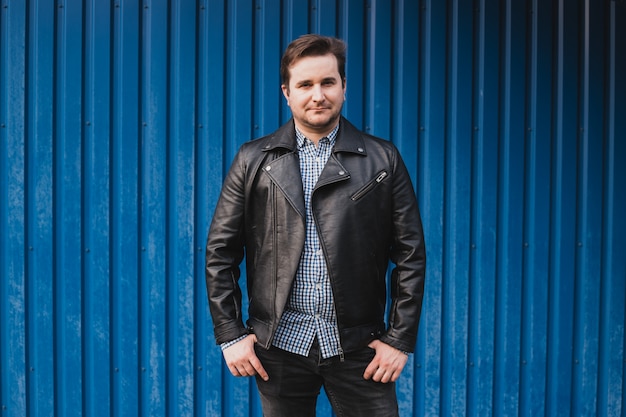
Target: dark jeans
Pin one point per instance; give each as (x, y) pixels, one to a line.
(295, 383)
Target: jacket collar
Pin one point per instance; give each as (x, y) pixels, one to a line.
(349, 138)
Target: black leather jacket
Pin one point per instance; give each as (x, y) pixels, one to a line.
(366, 214)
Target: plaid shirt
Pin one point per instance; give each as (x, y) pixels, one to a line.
(310, 310)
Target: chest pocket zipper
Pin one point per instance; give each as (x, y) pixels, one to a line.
(369, 186)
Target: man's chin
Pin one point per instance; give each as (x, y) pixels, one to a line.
(322, 122)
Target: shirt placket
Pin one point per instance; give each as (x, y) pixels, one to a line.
(318, 256)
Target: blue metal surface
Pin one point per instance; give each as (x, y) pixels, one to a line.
(119, 119)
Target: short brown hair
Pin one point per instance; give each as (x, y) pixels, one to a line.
(313, 45)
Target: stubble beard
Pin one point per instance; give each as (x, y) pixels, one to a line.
(321, 125)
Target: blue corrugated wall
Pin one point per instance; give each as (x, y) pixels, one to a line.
(118, 119)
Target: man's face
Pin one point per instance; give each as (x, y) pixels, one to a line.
(315, 94)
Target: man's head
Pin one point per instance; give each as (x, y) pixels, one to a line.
(314, 83)
(312, 45)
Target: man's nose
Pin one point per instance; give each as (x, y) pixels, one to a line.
(318, 94)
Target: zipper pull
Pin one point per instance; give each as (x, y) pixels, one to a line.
(381, 176)
(341, 357)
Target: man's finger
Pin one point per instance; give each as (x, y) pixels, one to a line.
(258, 367)
(371, 369)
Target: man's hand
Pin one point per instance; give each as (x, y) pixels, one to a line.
(387, 363)
(241, 359)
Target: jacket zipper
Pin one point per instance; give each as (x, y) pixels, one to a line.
(274, 240)
(369, 186)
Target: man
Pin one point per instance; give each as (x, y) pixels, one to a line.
(319, 208)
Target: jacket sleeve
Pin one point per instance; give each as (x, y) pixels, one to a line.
(408, 253)
(224, 254)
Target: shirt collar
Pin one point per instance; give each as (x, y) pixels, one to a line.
(301, 139)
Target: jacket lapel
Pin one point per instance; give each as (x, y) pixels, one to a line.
(284, 171)
(333, 171)
(349, 141)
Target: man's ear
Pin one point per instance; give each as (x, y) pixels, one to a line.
(285, 89)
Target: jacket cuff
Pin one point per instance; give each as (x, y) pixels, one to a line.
(229, 332)
(398, 344)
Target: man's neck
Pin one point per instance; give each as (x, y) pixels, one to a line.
(315, 136)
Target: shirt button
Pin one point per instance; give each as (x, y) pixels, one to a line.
(320, 252)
